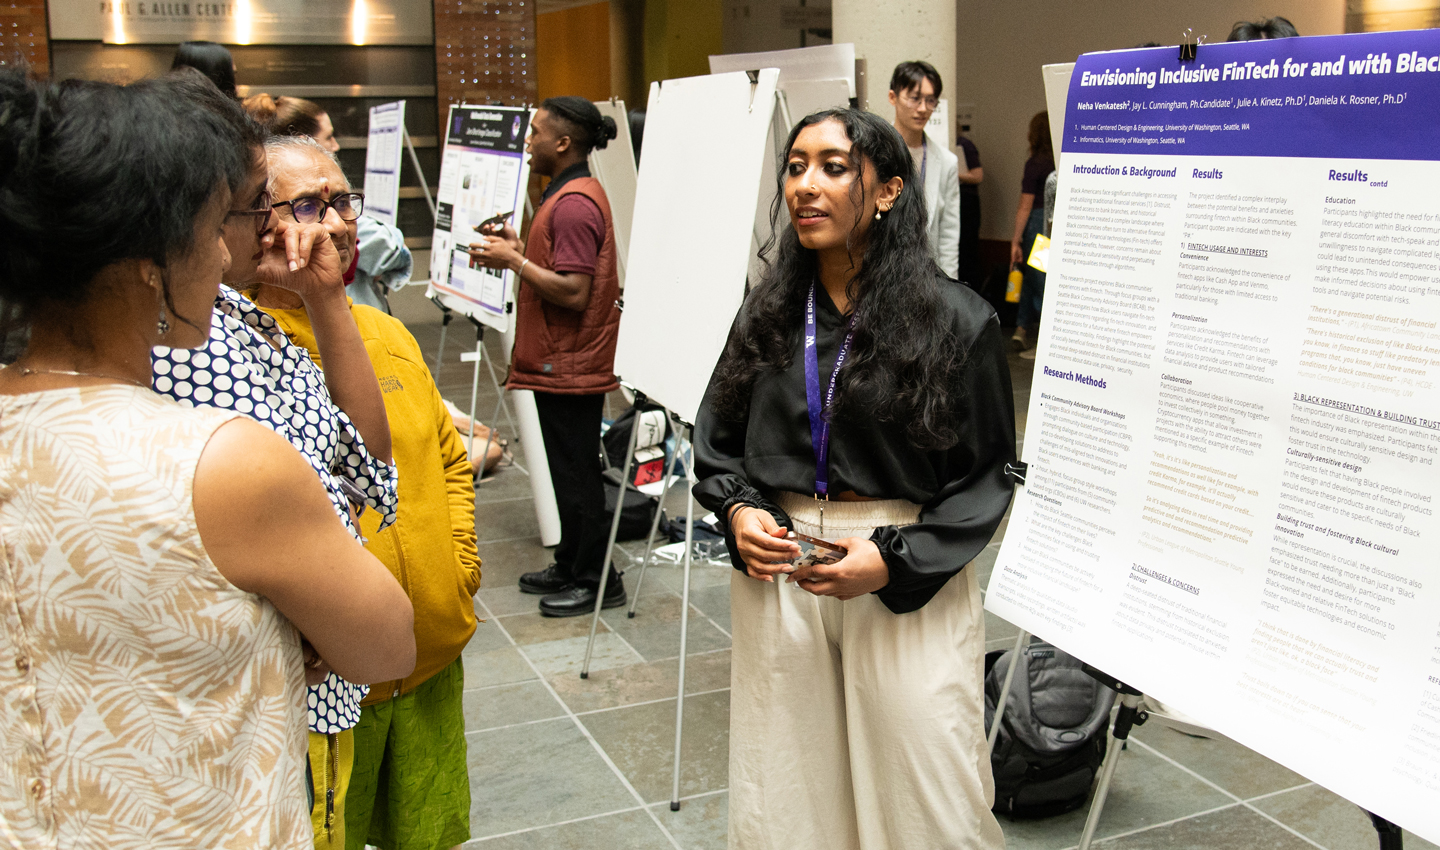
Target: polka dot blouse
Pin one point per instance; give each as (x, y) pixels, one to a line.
(279, 386)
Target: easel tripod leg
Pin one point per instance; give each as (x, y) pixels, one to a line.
(475, 390)
(654, 526)
(684, 630)
(1124, 720)
(1391, 836)
(1020, 641)
(610, 550)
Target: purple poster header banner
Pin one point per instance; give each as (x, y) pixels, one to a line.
(1364, 96)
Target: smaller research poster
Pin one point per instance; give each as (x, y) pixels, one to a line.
(483, 173)
(384, 153)
(1235, 422)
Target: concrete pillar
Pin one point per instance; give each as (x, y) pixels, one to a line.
(888, 32)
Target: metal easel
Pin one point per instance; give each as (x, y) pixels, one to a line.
(681, 427)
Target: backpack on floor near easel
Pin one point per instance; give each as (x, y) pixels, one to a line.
(1052, 735)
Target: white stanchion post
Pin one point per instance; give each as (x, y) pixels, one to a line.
(547, 513)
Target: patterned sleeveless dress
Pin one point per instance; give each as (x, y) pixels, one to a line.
(145, 702)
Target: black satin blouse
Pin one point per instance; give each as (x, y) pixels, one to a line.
(963, 490)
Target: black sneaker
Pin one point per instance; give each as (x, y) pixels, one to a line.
(580, 599)
(549, 580)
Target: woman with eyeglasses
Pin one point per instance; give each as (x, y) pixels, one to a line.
(382, 262)
(336, 419)
(155, 561)
(410, 783)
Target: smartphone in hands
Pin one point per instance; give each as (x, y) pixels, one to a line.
(815, 550)
(494, 224)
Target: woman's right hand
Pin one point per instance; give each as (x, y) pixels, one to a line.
(304, 260)
(762, 543)
(1016, 255)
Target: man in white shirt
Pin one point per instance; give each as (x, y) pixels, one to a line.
(915, 92)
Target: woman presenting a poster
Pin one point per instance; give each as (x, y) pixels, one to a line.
(856, 708)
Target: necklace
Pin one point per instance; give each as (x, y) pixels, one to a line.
(26, 371)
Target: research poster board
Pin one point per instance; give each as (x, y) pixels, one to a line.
(484, 171)
(686, 282)
(384, 153)
(1234, 425)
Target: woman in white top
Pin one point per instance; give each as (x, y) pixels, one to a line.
(158, 564)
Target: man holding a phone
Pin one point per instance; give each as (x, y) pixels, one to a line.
(566, 325)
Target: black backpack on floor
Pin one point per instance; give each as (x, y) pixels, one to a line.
(639, 510)
(1052, 737)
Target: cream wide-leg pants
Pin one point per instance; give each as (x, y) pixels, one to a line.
(853, 728)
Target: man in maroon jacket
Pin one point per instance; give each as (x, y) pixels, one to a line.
(566, 324)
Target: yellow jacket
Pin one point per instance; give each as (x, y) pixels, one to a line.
(431, 546)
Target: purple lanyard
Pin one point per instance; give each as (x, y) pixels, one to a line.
(820, 415)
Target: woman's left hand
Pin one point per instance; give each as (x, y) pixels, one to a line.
(861, 571)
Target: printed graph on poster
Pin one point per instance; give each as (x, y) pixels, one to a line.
(1233, 432)
(483, 173)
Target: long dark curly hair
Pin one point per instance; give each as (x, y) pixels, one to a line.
(906, 354)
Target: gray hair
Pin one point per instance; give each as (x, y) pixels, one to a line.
(279, 143)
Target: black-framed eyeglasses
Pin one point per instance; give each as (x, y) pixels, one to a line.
(311, 210)
(261, 212)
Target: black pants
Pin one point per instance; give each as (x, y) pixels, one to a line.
(570, 425)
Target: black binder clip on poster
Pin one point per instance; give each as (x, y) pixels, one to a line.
(1189, 45)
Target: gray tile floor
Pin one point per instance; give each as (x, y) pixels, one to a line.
(558, 762)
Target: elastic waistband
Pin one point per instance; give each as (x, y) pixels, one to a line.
(849, 516)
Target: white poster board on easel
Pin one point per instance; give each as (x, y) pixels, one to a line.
(720, 120)
(483, 172)
(811, 79)
(822, 62)
(384, 152)
(798, 98)
(615, 168)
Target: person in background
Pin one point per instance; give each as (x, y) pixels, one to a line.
(915, 92)
(1029, 221)
(249, 366)
(971, 176)
(293, 116)
(566, 327)
(1276, 27)
(857, 705)
(409, 788)
(158, 559)
(210, 59)
(383, 264)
